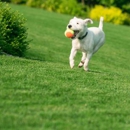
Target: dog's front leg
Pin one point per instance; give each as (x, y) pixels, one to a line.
(89, 55)
(71, 58)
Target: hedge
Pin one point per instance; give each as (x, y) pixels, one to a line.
(13, 32)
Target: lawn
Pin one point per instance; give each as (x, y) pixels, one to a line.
(41, 92)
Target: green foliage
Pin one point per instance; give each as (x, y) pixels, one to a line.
(107, 2)
(112, 14)
(13, 33)
(122, 4)
(35, 3)
(51, 5)
(19, 1)
(2, 42)
(126, 8)
(76, 6)
(60, 6)
(72, 8)
(15, 1)
(5, 0)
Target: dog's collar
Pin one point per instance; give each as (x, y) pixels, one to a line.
(80, 38)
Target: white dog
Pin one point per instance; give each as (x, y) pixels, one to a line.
(88, 40)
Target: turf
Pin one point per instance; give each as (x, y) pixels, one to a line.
(41, 92)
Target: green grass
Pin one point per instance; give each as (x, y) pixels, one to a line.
(41, 92)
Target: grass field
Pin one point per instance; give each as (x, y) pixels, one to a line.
(41, 92)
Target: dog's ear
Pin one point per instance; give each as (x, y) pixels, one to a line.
(88, 21)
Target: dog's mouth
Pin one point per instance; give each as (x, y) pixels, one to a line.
(75, 33)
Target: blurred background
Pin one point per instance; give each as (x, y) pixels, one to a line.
(114, 11)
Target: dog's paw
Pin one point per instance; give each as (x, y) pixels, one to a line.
(86, 69)
(71, 66)
(81, 64)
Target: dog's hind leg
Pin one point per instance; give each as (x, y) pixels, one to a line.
(82, 59)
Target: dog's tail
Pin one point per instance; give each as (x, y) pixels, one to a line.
(101, 23)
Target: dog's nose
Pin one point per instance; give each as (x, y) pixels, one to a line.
(69, 26)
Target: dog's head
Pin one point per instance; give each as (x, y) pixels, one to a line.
(78, 26)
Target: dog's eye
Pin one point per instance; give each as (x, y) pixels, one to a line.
(77, 23)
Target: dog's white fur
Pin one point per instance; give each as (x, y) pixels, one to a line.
(89, 44)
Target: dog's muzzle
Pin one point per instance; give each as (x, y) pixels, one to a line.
(75, 33)
(69, 26)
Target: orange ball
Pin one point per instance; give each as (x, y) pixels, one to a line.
(69, 33)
